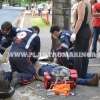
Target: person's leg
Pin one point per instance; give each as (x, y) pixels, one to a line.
(25, 70)
(81, 65)
(13, 64)
(89, 75)
(77, 64)
(89, 79)
(95, 38)
(84, 66)
(81, 81)
(84, 58)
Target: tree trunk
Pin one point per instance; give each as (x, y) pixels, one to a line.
(1, 4)
(61, 13)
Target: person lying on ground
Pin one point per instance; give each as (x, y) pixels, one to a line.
(91, 79)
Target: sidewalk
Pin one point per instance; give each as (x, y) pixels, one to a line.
(94, 62)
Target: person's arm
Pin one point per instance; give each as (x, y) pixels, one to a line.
(64, 42)
(81, 13)
(35, 48)
(73, 15)
(96, 14)
(38, 45)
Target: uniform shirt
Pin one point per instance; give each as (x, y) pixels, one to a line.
(64, 39)
(96, 21)
(26, 42)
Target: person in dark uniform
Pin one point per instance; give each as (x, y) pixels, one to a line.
(24, 53)
(7, 35)
(60, 43)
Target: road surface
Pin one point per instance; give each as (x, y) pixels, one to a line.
(9, 15)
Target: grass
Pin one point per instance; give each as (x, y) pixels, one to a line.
(39, 22)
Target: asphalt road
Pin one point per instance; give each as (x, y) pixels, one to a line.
(9, 15)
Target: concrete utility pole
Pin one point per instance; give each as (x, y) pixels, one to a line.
(61, 13)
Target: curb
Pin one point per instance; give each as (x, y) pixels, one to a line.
(94, 65)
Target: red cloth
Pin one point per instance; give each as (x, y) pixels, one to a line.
(96, 21)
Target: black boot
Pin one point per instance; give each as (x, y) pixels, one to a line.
(94, 81)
